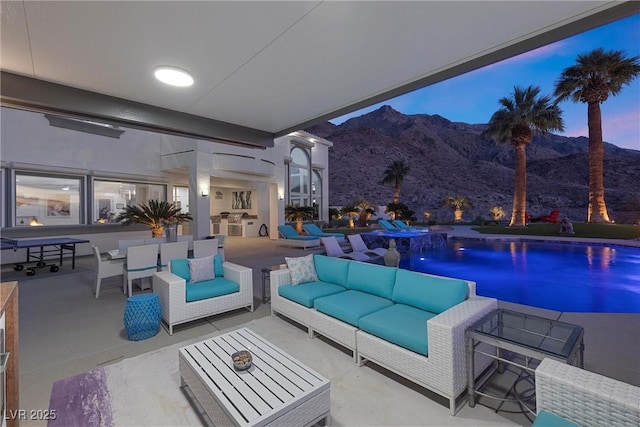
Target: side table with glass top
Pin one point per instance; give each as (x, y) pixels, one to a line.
(266, 276)
(530, 336)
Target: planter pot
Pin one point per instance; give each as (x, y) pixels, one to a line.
(171, 233)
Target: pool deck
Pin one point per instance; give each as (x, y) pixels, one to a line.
(612, 341)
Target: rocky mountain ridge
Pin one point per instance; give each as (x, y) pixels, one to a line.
(449, 158)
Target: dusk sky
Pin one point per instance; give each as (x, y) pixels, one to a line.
(473, 97)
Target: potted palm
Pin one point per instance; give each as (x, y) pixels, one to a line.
(156, 214)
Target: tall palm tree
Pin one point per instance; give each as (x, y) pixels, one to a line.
(394, 175)
(520, 114)
(596, 75)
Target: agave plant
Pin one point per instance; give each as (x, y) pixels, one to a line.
(155, 214)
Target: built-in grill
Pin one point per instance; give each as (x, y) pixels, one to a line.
(237, 217)
(235, 223)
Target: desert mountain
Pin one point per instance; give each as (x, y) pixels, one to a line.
(453, 158)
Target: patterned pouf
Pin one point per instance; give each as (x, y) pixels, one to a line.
(142, 316)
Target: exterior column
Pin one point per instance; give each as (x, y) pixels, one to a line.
(199, 196)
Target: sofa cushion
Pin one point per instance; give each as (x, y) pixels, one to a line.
(307, 293)
(349, 306)
(428, 293)
(331, 269)
(301, 269)
(180, 267)
(372, 279)
(201, 269)
(549, 419)
(400, 324)
(217, 266)
(210, 288)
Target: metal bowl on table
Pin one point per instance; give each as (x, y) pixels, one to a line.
(241, 360)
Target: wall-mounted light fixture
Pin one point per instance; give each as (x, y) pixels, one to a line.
(205, 193)
(281, 196)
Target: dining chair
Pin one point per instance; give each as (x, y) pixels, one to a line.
(142, 262)
(205, 247)
(187, 238)
(152, 240)
(174, 250)
(105, 267)
(124, 244)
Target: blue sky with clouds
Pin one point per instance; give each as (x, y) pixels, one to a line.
(473, 97)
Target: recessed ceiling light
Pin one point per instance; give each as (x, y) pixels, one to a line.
(173, 76)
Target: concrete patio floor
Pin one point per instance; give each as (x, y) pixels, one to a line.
(64, 330)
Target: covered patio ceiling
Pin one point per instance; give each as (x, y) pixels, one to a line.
(264, 68)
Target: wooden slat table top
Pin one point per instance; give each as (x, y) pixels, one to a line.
(274, 382)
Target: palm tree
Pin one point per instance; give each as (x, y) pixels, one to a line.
(350, 211)
(596, 75)
(497, 212)
(520, 114)
(298, 214)
(458, 204)
(155, 214)
(366, 210)
(394, 175)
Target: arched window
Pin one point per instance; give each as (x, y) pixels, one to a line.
(316, 194)
(299, 177)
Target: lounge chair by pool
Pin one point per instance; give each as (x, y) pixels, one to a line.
(333, 249)
(359, 245)
(292, 237)
(387, 225)
(315, 231)
(402, 226)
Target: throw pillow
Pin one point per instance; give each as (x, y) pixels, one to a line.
(201, 269)
(302, 269)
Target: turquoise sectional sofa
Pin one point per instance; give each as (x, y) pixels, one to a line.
(410, 323)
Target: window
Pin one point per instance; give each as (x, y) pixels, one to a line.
(299, 176)
(316, 194)
(111, 197)
(47, 199)
(181, 198)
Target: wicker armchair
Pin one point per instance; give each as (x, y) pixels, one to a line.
(176, 310)
(583, 397)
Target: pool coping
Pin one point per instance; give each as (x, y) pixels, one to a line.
(547, 239)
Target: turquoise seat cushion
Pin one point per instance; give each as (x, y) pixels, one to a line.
(428, 293)
(372, 279)
(180, 267)
(549, 419)
(400, 324)
(306, 293)
(211, 288)
(349, 306)
(332, 270)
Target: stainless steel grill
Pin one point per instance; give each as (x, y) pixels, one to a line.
(237, 217)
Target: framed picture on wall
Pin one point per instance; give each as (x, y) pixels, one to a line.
(241, 200)
(59, 205)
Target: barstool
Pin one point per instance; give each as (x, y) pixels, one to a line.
(142, 316)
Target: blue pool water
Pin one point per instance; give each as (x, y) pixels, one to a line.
(561, 277)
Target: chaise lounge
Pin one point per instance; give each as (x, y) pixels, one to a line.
(333, 249)
(314, 230)
(292, 238)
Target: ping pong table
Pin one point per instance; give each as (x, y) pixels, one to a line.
(39, 251)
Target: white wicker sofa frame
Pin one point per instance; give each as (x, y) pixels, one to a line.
(176, 310)
(584, 397)
(444, 371)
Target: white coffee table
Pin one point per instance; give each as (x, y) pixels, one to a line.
(277, 390)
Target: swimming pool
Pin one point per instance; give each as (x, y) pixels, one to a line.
(561, 277)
